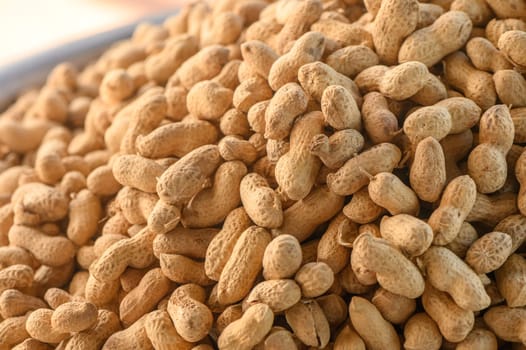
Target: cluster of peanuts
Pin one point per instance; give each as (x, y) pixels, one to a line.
(297, 174)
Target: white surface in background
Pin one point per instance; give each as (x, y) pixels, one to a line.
(30, 26)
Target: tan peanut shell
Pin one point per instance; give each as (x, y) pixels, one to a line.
(427, 175)
(489, 252)
(74, 317)
(394, 308)
(296, 170)
(329, 250)
(210, 206)
(454, 322)
(176, 139)
(314, 279)
(306, 49)
(388, 34)
(308, 323)
(303, 217)
(244, 264)
(340, 109)
(462, 283)
(421, 332)
(261, 202)
(364, 314)
(389, 192)
(350, 177)
(475, 84)
(351, 60)
(173, 186)
(430, 44)
(379, 122)
(282, 257)
(362, 209)
(222, 245)
(411, 235)
(288, 102)
(506, 322)
(457, 201)
(278, 294)
(334, 151)
(371, 253)
(510, 278)
(428, 121)
(249, 330)
(184, 241)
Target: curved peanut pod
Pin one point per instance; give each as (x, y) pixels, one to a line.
(377, 254)
(456, 203)
(107, 324)
(184, 241)
(137, 172)
(410, 234)
(85, 211)
(335, 150)
(186, 177)
(448, 273)
(150, 109)
(316, 77)
(365, 318)
(48, 250)
(507, 323)
(296, 171)
(389, 192)
(403, 81)
(253, 326)
(303, 217)
(388, 33)
(210, 207)
(454, 322)
(379, 122)
(243, 266)
(222, 245)
(135, 252)
(340, 109)
(430, 44)
(351, 177)
(288, 102)
(35, 203)
(427, 121)
(260, 201)
(176, 139)
(162, 333)
(464, 113)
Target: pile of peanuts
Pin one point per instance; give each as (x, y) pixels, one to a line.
(297, 174)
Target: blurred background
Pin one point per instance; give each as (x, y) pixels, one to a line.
(30, 26)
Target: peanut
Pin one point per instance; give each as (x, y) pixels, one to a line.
(372, 253)
(210, 206)
(243, 266)
(430, 44)
(364, 313)
(388, 33)
(415, 238)
(260, 201)
(350, 178)
(174, 187)
(308, 323)
(487, 162)
(249, 330)
(462, 283)
(421, 332)
(428, 170)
